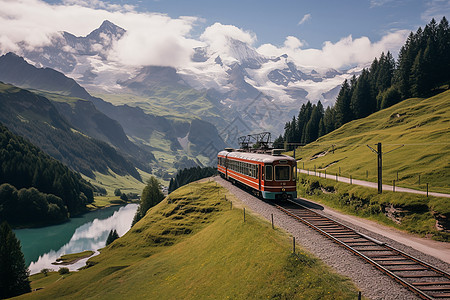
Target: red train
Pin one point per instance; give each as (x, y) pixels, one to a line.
(269, 175)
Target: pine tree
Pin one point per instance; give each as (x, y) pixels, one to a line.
(278, 143)
(342, 106)
(171, 189)
(112, 236)
(329, 119)
(117, 192)
(417, 76)
(151, 195)
(362, 102)
(443, 49)
(13, 272)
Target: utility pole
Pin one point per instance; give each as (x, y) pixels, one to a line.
(380, 168)
(379, 153)
(295, 166)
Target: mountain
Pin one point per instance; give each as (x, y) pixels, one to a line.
(245, 55)
(36, 189)
(67, 51)
(15, 70)
(185, 140)
(150, 77)
(114, 124)
(233, 77)
(75, 106)
(36, 118)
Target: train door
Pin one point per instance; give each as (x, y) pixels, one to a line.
(226, 167)
(259, 176)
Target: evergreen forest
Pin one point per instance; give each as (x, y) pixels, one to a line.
(188, 175)
(36, 189)
(420, 71)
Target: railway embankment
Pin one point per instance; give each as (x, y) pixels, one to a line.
(414, 213)
(373, 283)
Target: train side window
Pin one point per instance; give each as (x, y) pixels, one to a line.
(268, 172)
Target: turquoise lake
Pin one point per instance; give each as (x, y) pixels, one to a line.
(42, 246)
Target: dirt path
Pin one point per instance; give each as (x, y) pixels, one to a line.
(374, 185)
(440, 250)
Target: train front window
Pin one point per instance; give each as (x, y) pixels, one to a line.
(268, 173)
(282, 173)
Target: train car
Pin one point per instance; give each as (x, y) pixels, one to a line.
(269, 175)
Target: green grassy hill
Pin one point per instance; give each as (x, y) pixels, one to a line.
(193, 246)
(421, 125)
(35, 117)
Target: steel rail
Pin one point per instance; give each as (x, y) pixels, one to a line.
(318, 216)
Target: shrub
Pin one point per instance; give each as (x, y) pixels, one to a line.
(63, 271)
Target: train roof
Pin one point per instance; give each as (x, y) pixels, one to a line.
(261, 157)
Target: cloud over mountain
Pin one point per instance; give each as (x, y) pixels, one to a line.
(347, 52)
(151, 38)
(157, 39)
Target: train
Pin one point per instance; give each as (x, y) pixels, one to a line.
(269, 175)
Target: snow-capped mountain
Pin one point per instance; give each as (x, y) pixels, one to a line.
(79, 57)
(236, 75)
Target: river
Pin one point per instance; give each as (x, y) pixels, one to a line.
(42, 246)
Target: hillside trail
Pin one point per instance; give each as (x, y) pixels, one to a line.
(374, 185)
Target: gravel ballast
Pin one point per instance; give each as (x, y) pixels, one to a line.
(373, 283)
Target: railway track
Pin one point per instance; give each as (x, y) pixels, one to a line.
(420, 277)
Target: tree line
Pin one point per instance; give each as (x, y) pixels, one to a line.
(36, 188)
(188, 175)
(420, 71)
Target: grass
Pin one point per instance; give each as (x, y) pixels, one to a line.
(171, 102)
(415, 213)
(69, 259)
(105, 201)
(112, 181)
(193, 246)
(39, 280)
(421, 125)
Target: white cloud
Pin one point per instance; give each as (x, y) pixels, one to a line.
(378, 3)
(157, 39)
(217, 35)
(151, 38)
(304, 19)
(292, 42)
(344, 53)
(217, 38)
(436, 9)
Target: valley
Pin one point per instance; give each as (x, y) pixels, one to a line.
(112, 115)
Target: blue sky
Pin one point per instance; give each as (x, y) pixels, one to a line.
(272, 21)
(335, 34)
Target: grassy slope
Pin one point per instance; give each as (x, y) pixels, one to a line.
(422, 125)
(174, 104)
(193, 246)
(126, 184)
